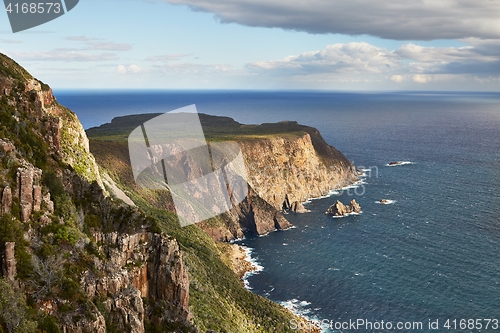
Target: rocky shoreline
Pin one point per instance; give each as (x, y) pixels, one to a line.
(240, 261)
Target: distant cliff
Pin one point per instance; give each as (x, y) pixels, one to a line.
(287, 170)
(287, 164)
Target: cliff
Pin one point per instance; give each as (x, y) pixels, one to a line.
(286, 164)
(75, 259)
(84, 262)
(286, 171)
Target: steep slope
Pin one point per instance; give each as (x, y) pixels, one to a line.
(79, 257)
(76, 260)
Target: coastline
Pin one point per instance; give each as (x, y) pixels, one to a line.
(241, 261)
(244, 265)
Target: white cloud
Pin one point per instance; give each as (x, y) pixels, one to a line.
(121, 69)
(336, 58)
(107, 46)
(362, 60)
(193, 68)
(397, 78)
(134, 69)
(79, 38)
(131, 69)
(391, 19)
(421, 78)
(10, 41)
(98, 44)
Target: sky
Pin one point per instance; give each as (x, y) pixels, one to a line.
(365, 45)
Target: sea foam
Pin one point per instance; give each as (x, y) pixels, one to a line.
(255, 264)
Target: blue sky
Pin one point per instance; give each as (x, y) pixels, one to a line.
(272, 44)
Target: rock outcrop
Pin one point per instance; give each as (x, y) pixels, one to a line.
(6, 147)
(295, 206)
(6, 203)
(140, 265)
(338, 209)
(30, 193)
(91, 322)
(9, 261)
(59, 127)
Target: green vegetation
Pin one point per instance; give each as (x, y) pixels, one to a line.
(11, 230)
(10, 68)
(215, 128)
(14, 313)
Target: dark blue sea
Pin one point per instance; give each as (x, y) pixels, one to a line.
(432, 254)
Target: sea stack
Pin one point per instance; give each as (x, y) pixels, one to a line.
(338, 209)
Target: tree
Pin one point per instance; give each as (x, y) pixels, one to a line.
(13, 310)
(46, 275)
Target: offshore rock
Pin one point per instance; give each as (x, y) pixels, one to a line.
(253, 215)
(298, 207)
(338, 209)
(355, 207)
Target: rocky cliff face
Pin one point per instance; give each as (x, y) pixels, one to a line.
(286, 171)
(283, 172)
(140, 265)
(34, 103)
(87, 263)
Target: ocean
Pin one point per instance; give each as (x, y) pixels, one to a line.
(431, 256)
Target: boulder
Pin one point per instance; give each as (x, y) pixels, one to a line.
(6, 146)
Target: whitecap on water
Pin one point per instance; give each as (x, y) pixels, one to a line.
(385, 202)
(302, 309)
(398, 163)
(350, 214)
